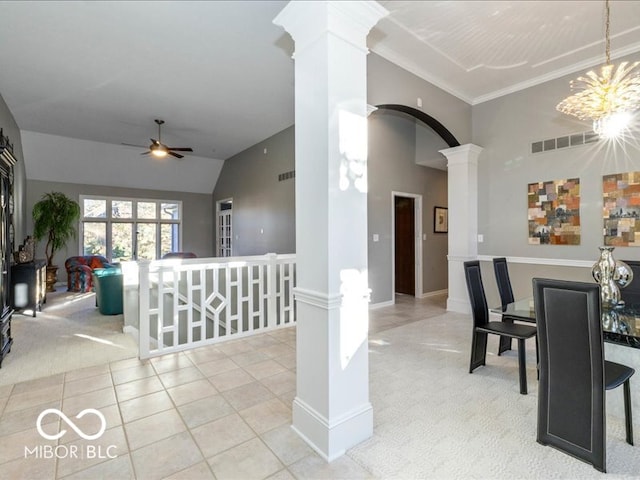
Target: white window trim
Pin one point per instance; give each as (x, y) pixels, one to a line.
(134, 220)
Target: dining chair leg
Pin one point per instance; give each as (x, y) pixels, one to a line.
(505, 342)
(504, 346)
(478, 350)
(627, 412)
(522, 367)
(537, 359)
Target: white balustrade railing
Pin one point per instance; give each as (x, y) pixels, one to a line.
(187, 303)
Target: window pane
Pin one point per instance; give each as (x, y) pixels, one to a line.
(95, 208)
(168, 238)
(147, 210)
(94, 239)
(146, 241)
(169, 211)
(121, 209)
(121, 241)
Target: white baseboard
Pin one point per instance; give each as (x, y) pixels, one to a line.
(375, 306)
(390, 303)
(131, 330)
(433, 294)
(459, 306)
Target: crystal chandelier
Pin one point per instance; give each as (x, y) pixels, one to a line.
(608, 98)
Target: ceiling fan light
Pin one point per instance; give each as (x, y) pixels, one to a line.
(158, 151)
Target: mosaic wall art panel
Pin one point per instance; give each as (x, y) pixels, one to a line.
(554, 212)
(621, 209)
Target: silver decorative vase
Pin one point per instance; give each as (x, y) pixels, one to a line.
(611, 275)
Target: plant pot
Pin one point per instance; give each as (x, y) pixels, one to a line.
(52, 278)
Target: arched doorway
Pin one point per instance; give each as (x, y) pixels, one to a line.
(418, 256)
(434, 124)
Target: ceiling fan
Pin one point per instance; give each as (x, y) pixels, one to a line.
(159, 149)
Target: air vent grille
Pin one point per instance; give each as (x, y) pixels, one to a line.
(566, 141)
(286, 176)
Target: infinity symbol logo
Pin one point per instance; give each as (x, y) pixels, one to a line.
(103, 425)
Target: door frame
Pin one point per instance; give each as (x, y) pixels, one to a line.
(417, 242)
(217, 225)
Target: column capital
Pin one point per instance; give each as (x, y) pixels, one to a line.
(467, 153)
(307, 21)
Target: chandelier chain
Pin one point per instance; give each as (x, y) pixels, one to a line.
(608, 97)
(606, 34)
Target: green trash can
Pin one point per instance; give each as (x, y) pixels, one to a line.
(107, 283)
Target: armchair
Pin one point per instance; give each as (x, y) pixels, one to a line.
(79, 270)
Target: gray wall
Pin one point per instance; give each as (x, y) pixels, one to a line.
(10, 129)
(521, 275)
(505, 128)
(392, 167)
(197, 223)
(261, 202)
(263, 207)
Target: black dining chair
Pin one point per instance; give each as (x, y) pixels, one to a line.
(573, 372)
(506, 297)
(482, 327)
(631, 293)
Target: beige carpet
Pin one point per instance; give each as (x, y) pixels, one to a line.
(68, 334)
(434, 420)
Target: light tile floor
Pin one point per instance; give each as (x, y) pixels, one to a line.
(224, 412)
(219, 412)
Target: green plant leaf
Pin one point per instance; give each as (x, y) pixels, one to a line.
(55, 218)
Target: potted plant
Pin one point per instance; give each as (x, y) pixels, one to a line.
(54, 218)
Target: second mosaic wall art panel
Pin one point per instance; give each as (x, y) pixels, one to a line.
(621, 209)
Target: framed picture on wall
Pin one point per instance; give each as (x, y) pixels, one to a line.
(440, 220)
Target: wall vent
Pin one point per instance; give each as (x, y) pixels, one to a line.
(567, 141)
(287, 175)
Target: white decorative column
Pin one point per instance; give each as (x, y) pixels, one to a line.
(462, 174)
(331, 410)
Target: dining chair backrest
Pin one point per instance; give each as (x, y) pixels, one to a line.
(502, 280)
(571, 392)
(631, 293)
(477, 296)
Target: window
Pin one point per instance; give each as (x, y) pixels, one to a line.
(129, 229)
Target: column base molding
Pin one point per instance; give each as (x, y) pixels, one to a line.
(458, 306)
(330, 438)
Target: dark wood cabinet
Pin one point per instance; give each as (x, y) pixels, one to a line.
(5, 337)
(7, 161)
(29, 285)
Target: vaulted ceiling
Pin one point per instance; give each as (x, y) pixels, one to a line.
(220, 73)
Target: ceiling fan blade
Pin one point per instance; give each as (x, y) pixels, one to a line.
(159, 149)
(181, 149)
(132, 145)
